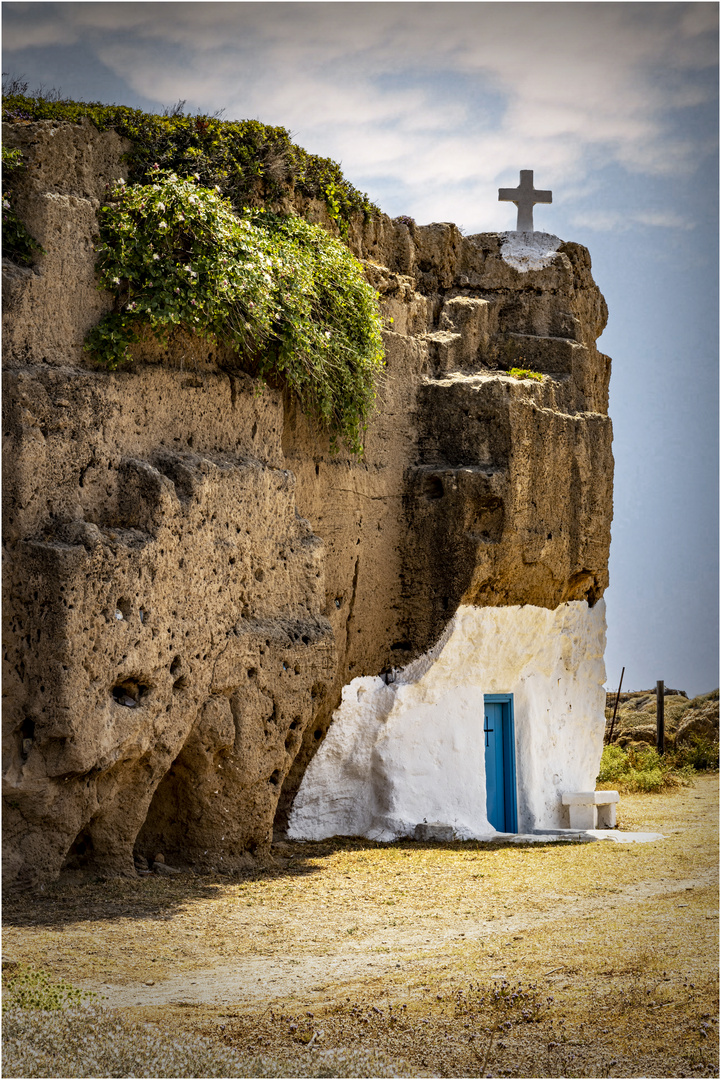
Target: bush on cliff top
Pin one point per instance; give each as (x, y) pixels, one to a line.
(281, 292)
(190, 244)
(251, 163)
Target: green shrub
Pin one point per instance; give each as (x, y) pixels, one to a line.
(18, 244)
(26, 988)
(289, 298)
(701, 754)
(614, 765)
(642, 769)
(648, 779)
(250, 162)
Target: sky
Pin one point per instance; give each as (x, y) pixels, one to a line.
(430, 108)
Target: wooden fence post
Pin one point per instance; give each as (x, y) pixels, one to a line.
(618, 695)
(659, 717)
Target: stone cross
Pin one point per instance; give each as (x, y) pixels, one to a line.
(524, 196)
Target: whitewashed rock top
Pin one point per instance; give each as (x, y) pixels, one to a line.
(529, 251)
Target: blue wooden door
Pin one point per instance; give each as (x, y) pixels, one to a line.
(499, 742)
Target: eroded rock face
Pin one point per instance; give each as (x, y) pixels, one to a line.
(162, 626)
(191, 576)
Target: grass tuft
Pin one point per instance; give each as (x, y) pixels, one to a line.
(525, 373)
(17, 242)
(28, 988)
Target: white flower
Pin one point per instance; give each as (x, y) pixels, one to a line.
(163, 225)
(156, 256)
(161, 206)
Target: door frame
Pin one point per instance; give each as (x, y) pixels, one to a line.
(510, 798)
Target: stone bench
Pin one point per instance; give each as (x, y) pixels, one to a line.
(591, 809)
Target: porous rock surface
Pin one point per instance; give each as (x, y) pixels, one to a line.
(191, 577)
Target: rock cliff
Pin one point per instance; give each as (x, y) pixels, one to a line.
(192, 577)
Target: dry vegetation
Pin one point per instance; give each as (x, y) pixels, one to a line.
(355, 947)
(636, 717)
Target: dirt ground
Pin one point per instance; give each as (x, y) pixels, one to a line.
(611, 949)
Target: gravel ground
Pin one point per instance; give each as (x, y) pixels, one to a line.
(397, 948)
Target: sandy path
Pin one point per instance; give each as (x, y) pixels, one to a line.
(252, 979)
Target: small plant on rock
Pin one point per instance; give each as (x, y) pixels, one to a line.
(18, 244)
(525, 373)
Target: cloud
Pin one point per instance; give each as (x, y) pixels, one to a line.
(432, 96)
(664, 219)
(617, 221)
(35, 25)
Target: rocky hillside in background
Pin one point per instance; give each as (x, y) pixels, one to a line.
(683, 719)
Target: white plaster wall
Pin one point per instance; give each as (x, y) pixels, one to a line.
(414, 749)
